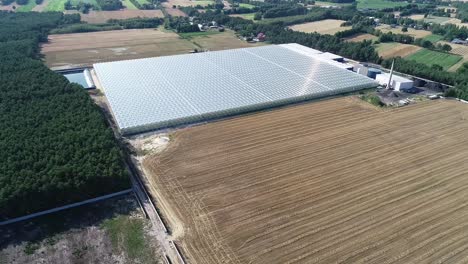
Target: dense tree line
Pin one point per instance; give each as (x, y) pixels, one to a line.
(56, 147)
(462, 12)
(110, 4)
(285, 10)
(112, 24)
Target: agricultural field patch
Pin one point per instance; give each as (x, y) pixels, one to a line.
(411, 31)
(430, 57)
(433, 38)
(361, 37)
(84, 49)
(41, 7)
(97, 17)
(128, 5)
(249, 16)
(378, 4)
(55, 5)
(327, 26)
(436, 19)
(459, 50)
(393, 49)
(333, 181)
(174, 11)
(324, 3)
(182, 3)
(26, 8)
(246, 5)
(220, 41)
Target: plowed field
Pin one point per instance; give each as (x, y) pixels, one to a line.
(335, 181)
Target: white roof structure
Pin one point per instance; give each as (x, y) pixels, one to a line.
(154, 93)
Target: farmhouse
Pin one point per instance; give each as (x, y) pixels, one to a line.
(155, 93)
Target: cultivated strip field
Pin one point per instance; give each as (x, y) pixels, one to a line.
(411, 31)
(87, 48)
(96, 17)
(393, 49)
(335, 181)
(430, 57)
(327, 26)
(361, 37)
(222, 41)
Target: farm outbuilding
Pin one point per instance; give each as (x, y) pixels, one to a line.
(155, 93)
(398, 83)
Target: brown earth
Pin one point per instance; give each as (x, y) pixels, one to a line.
(335, 181)
(96, 17)
(80, 49)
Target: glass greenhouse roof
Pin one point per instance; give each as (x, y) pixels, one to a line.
(153, 93)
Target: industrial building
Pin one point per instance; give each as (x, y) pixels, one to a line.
(398, 83)
(154, 93)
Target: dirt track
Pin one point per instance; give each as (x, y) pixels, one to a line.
(335, 181)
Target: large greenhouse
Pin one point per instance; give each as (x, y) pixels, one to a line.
(154, 93)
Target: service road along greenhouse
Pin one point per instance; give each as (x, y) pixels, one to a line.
(154, 93)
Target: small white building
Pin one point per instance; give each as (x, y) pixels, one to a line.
(398, 82)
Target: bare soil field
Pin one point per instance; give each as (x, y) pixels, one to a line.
(222, 41)
(361, 37)
(96, 17)
(333, 181)
(327, 26)
(80, 49)
(411, 31)
(389, 50)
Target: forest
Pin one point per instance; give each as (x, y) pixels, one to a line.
(57, 147)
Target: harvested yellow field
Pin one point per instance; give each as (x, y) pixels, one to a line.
(327, 26)
(97, 17)
(393, 49)
(411, 31)
(84, 49)
(361, 37)
(334, 181)
(223, 41)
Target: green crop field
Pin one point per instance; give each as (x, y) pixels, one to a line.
(55, 5)
(246, 5)
(433, 38)
(93, 2)
(27, 8)
(325, 3)
(430, 57)
(129, 5)
(379, 4)
(436, 19)
(204, 2)
(142, 2)
(249, 16)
